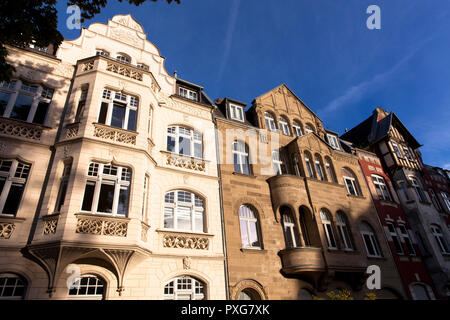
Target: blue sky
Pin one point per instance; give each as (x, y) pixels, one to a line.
(321, 49)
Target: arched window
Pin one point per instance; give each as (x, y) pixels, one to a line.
(249, 294)
(185, 288)
(88, 286)
(319, 167)
(350, 182)
(102, 52)
(118, 110)
(297, 166)
(309, 166)
(291, 234)
(107, 189)
(270, 122)
(418, 188)
(440, 239)
(12, 286)
(241, 157)
(284, 126)
(297, 128)
(370, 240)
(309, 128)
(421, 291)
(329, 168)
(279, 165)
(184, 141)
(183, 210)
(122, 57)
(250, 229)
(327, 228)
(143, 66)
(13, 178)
(344, 230)
(380, 186)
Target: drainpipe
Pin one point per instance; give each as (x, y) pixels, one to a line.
(222, 217)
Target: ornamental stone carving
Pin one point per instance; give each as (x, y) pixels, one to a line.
(50, 225)
(187, 263)
(114, 134)
(6, 230)
(185, 242)
(102, 226)
(20, 129)
(185, 162)
(127, 71)
(72, 131)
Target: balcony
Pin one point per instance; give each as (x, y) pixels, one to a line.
(102, 225)
(185, 162)
(21, 129)
(114, 134)
(284, 188)
(301, 260)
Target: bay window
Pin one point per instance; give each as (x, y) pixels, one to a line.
(290, 229)
(107, 189)
(183, 210)
(118, 110)
(184, 141)
(63, 187)
(13, 177)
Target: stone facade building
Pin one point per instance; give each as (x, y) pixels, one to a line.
(109, 172)
(385, 135)
(299, 219)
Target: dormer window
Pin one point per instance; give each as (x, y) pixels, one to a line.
(332, 140)
(236, 112)
(188, 94)
(101, 52)
(143, 66)
(123, 58)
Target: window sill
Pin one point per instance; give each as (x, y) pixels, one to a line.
(356, 197)
(102, 215)
(244, 175)
(253, 250)
(10, 218)
(183, 156)
(388, 203)
(376, 258)
(174, 231)
(134, 132)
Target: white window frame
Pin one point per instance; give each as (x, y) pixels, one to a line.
(344, 231)
(309, 166)
(319, 170)
(145, 194)
(279, 167)
(248, 221)
(188, 94)
(240, 149)
(309, 128)
(195, 138)
(446, 199)
(284, 126)
(99, 283)
(329, 169)
(173, 208)
(236, 112)
(143, 66)
(418, 188)
(150, 121)
(328, 229)
(373, 241)
(128, 101)
(10, 178)
(19, 283)
(440, 239)
(354, 185)
(97, 177)
(407, 239)
(270, 122)
(407, 153)
(435, 200)
(397, 150)
(297, 128)
(333, 141)
(122, 57)
(381, 188)
(38, 92)
(197, 290)
(395, 238)
(289, 226)
(102, 52)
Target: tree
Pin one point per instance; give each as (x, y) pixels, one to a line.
(26, 22)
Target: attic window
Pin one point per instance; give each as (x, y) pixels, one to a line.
(101, 52)
(332, 140)
(236, 112)
(143, 66)
(123, 58)
(188, 94)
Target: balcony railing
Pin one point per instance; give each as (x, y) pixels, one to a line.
(114, 134)
(22, 129)
(184, 162)
(101, 225)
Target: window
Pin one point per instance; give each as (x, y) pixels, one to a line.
(350, 182)
(248, 294)
(319, 168)
(63, 187)
(446, 199)
(25, 101)
(118, 110)
(290, 229)
(188, 94)
(270, 122)
(309, 167)
(13, 177)
(185, 288)
(370, 240)
(184, 141)
(405, 235)
(328, 229)
(123, 58)
(343, 230)
(380, 186)
(101, 52)
(395, 238)
(150, 115)
(278, 164)
(440, 239)
(396, 149)
(249, 226)
(107, 189)
(81, 104)
(237, 112)
(12, 286)
(309, 128)
(333, 141)
(183, 210)
(404, 190)
(419, 191)
(284, 126)
(407, 153)
(88, 286)
(241, 157)
(145, 198)
(297, 128)
(435, 200)
(143, 66)
(330, 170)
(296, 163)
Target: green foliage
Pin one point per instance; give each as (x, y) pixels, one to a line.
(25, 22)
(344, 295)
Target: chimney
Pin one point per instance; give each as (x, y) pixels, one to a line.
(175, 74)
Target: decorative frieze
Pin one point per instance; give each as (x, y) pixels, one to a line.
(6, 229)
(50, 224)
(72, 130)
(87, 66)
(127, 71)
(114, 134)
(184, 241)
(20, 129)
(102, 226)
(185, 162)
